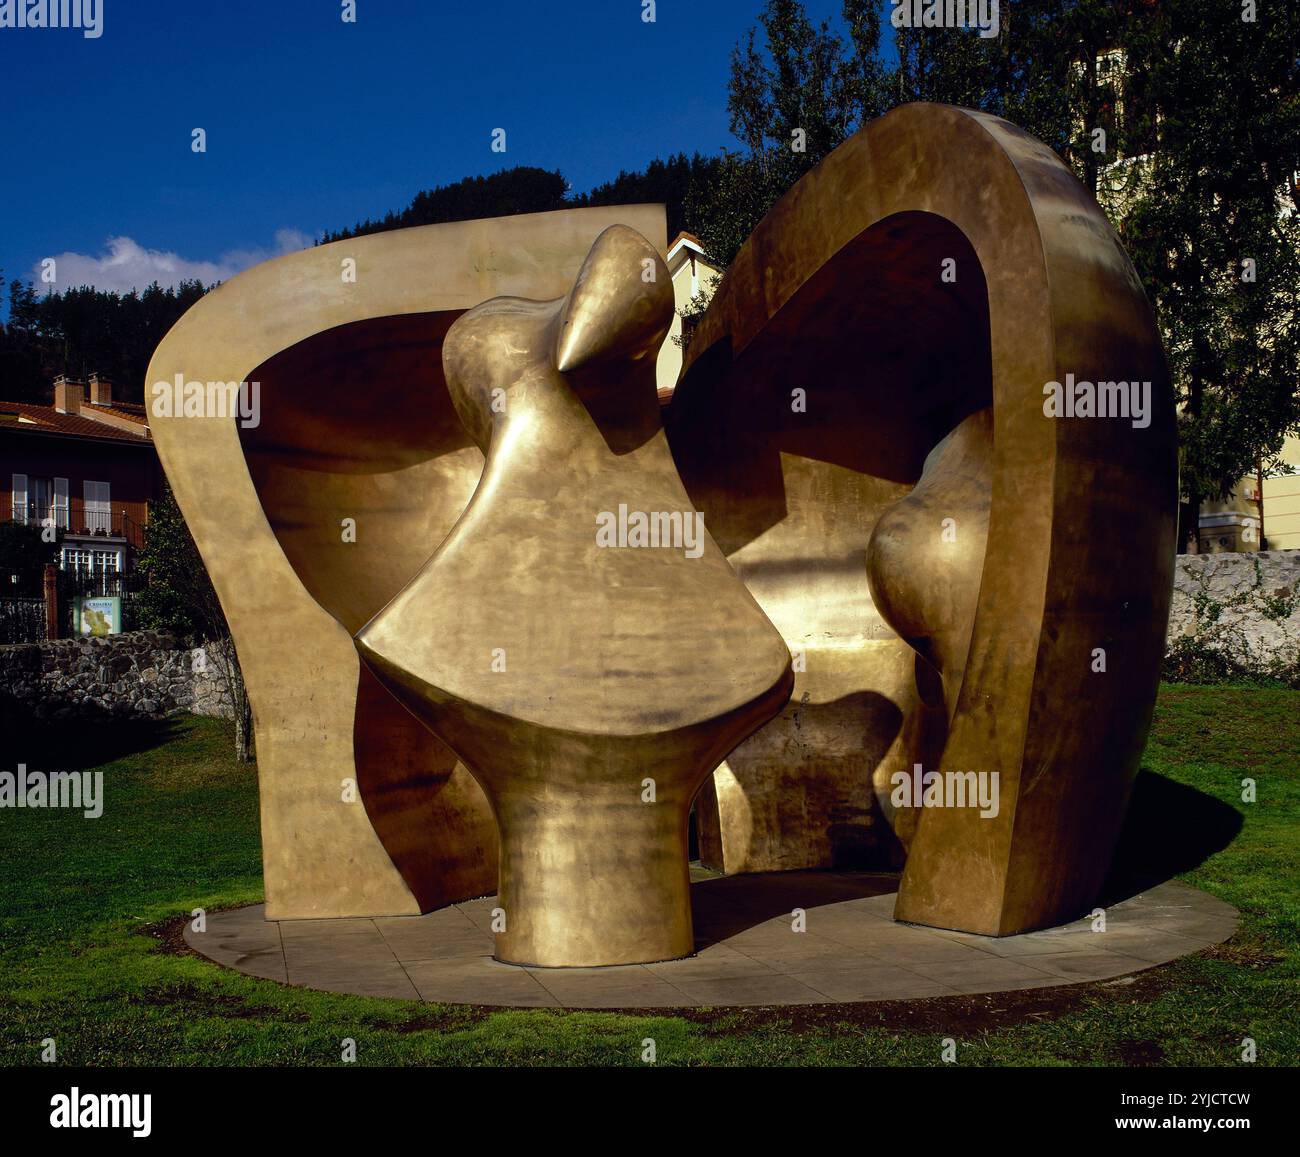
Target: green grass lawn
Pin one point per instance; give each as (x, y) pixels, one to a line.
(179, 831)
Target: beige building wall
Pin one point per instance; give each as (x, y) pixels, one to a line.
(692, 274)
(1233, 524)
(1282, 503)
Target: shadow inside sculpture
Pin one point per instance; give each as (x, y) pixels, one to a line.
(796, 450)
(359, 427)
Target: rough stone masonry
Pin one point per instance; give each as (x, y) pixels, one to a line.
(1246, 605)
(142, 673)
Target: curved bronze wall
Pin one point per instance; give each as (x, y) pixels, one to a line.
(1064, 527)
(355, 423)
(363, 428)
(792, 488)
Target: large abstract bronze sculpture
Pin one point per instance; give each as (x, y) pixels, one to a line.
(967, 581)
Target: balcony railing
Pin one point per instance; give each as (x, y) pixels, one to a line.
(98, 582)
(77, 520)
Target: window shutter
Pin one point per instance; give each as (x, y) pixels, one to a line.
(20, 497)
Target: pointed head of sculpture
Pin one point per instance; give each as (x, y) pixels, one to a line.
(620, 307)
(602, 336)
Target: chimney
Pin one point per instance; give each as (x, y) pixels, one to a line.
(68, 394)
(101, 390)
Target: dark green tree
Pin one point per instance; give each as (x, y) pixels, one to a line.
(20, 349)
(83, 330)
(179, 597)
(795, 92)
(673, 182)
(1058, 69)
(523, 189)
(1181, 115)
(1209, 218)
(24, 552)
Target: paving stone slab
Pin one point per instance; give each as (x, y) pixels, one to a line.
(852, 950)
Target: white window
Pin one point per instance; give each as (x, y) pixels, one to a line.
(40, 492)
(19, 500)
(46, 501)
(97, 508)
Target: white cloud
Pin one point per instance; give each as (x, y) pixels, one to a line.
(126, 264)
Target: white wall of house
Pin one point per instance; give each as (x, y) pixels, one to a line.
(692, 274)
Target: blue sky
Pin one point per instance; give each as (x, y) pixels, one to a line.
(313, 124)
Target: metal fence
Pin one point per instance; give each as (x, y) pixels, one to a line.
(98, 583)
(76, 519)
(23, 618)
(92, 583)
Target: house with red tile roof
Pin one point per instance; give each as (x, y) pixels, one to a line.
(85, 464)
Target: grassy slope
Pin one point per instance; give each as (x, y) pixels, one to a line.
(180, 831)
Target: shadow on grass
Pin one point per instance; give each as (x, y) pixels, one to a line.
(88, 739)
(1170, 829)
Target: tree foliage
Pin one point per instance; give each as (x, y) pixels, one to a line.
(531, 190)
(796, 91)
(674, 183)
(180, 598)
(1209, 218)
(518, 190)
(24, 552)
(85, 330)
(1182, 116)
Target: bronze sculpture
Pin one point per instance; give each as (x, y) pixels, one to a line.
(364, 812)
(861, 421)
(589, 685)
(943, 263)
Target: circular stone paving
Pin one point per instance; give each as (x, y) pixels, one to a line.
(747, 951)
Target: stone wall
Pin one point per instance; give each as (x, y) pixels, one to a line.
(1245, 607)
(143, 673)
